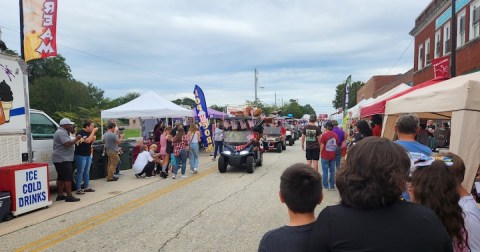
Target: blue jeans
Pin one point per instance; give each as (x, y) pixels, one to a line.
(328, 177)
(181, 160)
(218, 147)
(193, 155)
(338, 157)
(83, 171)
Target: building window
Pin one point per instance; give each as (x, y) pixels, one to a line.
(427, 52)
(420, 57)
(446, 38)
(475, 20)
(438, 44)
(461, 29)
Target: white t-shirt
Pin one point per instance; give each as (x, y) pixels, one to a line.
(472, 221)
(142, 159)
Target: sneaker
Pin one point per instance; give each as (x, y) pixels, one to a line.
(184, 176)
(80, 192)
(138, 176)
(174, 176)
(61, 197)
(332, 189)
(163, 175)
(213, 159)
(195, 171)
(149, 177)
(71, 199)
(112, 179)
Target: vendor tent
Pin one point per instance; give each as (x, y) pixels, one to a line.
(457, 99)
(212, 113)
(148, 105)
(354, 112)
(378, 107)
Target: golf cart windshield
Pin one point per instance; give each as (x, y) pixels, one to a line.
(237, 137)
(272, 131)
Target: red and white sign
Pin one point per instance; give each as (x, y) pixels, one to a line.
(39, 28)
(441, 67)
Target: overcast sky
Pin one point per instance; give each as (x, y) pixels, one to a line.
(302, 49)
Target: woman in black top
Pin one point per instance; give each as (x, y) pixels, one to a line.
(371, 216)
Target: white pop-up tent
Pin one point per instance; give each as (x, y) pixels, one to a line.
(147, 106)
(458, 100)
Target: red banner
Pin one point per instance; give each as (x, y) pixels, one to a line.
(441, 67)
(39, 28)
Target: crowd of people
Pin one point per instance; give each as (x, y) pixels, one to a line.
(395, 195)
(169, 153)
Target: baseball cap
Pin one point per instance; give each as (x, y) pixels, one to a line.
(66, 121)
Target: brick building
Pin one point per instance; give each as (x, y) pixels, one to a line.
(433, 37)
(380, 84)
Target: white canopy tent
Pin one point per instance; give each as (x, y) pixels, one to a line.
(147, 106)
(458, 100)
(354, 112)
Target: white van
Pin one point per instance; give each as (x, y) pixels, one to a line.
(43, 127)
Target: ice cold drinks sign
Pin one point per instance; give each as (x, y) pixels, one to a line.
(31, 189)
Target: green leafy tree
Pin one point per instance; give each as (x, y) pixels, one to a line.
(11, 53)
(218, 108)
(121, 100)
(48, 67)
(352, 96)
(185, 101)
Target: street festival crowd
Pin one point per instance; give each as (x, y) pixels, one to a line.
(395, 195)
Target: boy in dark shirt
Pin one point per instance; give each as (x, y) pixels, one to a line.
(301, 190)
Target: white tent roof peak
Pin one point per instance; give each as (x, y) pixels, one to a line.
(147, 105)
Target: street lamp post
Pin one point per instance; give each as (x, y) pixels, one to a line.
(256, 85)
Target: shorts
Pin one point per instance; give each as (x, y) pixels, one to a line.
(64, 170)
(313, 154)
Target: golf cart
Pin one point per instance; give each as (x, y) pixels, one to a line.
(241, 144)
(290, 134)
(272, 139)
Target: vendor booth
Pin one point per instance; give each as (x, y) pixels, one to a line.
(458, 100)
(212, 113)
(148, 105)
(378, 106)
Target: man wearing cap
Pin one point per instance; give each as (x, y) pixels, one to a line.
(311, 139)
(62, 158)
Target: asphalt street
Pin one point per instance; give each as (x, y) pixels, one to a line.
(208, 211)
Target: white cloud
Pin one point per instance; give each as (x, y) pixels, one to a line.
(302, 49)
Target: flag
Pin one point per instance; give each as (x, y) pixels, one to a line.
(346, 92)
(441, 67)
(39, 28)
(202, 113)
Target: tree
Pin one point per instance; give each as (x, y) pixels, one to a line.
(48, 67)
(352, 97)
(218, 108)
(121, 100)
(185, 101)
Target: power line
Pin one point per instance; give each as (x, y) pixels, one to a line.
(401, 56)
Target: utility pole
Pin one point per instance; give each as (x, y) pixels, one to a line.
(453, 52)
(256, 84)
(275, 100)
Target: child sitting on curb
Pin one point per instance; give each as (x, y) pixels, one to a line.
(301, 190)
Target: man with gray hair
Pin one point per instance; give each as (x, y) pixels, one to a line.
(407, 127)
